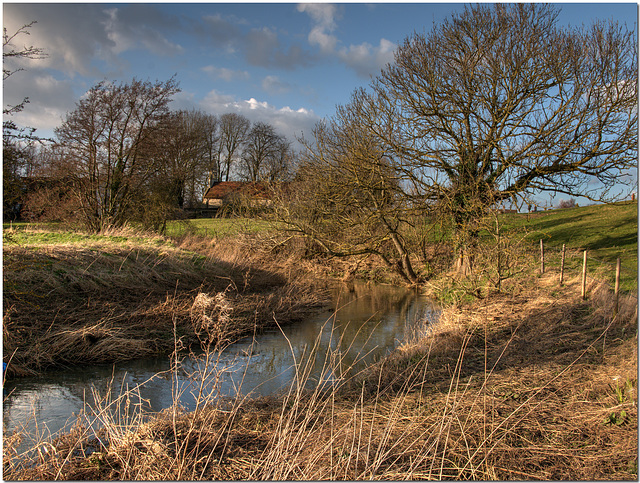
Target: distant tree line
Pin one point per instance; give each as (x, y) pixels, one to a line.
(121, 155)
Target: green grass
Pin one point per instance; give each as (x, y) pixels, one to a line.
(217, 227)
(56, 233)
(36, 235)
(605, 231)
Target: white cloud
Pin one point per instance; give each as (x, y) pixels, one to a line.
(289, 122)
(324, 15)
(327, 43)
(368, 60)
(364, 58)
(216, 102)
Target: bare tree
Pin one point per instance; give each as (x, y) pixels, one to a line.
(499, 103)
(17, 142)
(234, 129)
(107, 142)
(266, 156)
(183, 156)
(213, 147)
(281, 165)
(347, 196)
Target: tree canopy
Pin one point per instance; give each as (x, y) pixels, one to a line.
(499, 103)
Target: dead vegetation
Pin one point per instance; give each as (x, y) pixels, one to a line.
(537, 384)
(67, 304)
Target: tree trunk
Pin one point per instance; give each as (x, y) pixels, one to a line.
(405, 262)
(465, 248)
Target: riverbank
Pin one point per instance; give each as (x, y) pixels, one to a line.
(73, 298)
(534, 384)
(530, 382)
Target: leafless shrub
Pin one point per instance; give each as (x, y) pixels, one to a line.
(570, 203)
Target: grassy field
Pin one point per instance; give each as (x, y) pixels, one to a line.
(217, 227)
(605, 231)
(209, 227)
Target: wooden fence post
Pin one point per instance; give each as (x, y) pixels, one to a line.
(541, 256)
(562, 264)
(584, 276)
(617, 290)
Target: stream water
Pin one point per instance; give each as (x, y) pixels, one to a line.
(366, 322)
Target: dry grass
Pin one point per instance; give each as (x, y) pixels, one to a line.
(100, 301)
(533, 385)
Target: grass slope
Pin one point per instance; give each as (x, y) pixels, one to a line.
(605, 231)
(608, 231)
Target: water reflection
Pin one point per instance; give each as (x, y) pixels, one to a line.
(367, 322)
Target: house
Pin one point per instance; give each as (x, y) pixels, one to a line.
(226, 192)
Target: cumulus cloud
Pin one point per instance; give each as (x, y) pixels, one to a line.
(324, 15)
(289, 122)
(365, 59)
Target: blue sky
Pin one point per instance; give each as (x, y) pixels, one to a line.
(287, 64)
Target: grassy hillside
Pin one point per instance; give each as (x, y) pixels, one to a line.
(608, 231)
(605, 231)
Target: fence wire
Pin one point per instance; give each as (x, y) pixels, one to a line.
(577, 252)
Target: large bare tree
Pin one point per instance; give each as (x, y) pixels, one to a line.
(233, 131)
(500, 103)
(266, 155)
(108, 142)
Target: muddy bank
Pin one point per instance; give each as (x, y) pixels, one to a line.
(68, 304)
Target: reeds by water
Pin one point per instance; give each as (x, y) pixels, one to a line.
(101, 301)
(518, 386)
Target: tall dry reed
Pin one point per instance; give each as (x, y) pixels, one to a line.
(515, 387)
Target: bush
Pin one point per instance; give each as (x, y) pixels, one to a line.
(571, 203)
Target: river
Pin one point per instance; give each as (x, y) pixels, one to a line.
(365, 323)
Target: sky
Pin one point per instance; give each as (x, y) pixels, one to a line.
(288, 64)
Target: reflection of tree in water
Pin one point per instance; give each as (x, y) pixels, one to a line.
(369, 321)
